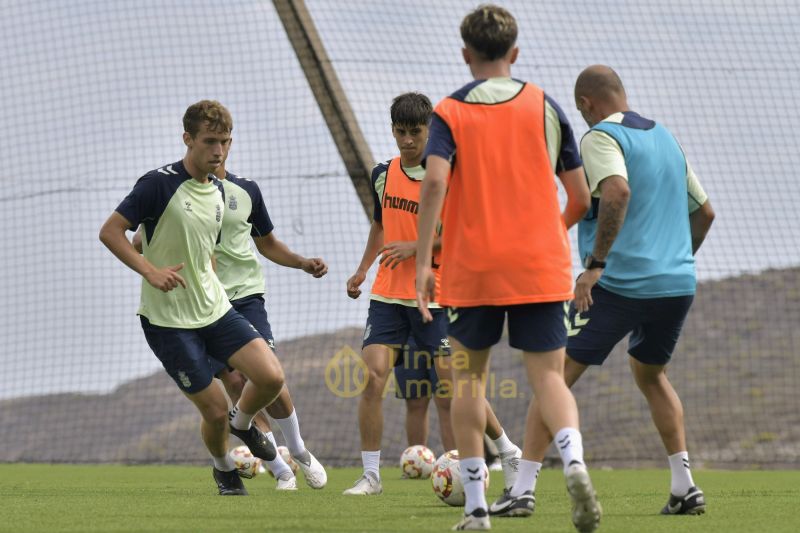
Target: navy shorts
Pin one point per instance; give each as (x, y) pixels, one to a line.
(654, 324)
(539, 327)
(416, 375)
(394, 324)
(187, 354)
(252, 308)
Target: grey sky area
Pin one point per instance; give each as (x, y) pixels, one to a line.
(94, 92)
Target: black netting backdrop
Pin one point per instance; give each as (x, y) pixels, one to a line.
(95, 92)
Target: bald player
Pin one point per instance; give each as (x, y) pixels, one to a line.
(495, 147)
(649, 217)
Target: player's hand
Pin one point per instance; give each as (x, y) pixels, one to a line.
(396, 252)
(426, 283)
(354, 282)
(314, 266)
(165, 279)
(583, 288)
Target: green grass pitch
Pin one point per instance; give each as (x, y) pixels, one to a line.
(173, 498)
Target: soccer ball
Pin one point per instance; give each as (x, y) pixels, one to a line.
(283, 451)
(446, 480)
(247, 465)
(445, 459)
(417, 462)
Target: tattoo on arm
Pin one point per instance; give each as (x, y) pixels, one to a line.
(609, 222)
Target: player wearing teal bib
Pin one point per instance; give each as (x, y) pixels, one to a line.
(649, 217)
(185, 313)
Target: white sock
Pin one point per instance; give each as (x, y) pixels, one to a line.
(472, 477)
(570, 446)
(290, 428)
(277, 466)
(224, 463)
(372, 463)
(504, 444)
(681, 473)
(239, 419)
(526, 479)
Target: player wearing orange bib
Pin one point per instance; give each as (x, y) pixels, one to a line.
(393, 318)
(494, 148)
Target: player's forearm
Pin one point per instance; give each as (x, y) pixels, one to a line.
(578, 196)
(374, 245)
(431, 199)
(122, 248)
(700, 222)
(611, 216)
(574, 211)
(279, 253)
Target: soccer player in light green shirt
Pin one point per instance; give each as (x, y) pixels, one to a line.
(240, 272)
(185, 314)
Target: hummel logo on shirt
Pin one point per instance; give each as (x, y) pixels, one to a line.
(404, 204)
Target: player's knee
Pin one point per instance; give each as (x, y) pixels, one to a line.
(442, 402)
(268, 377)
(275, 380)
(375, 385)
(649, 376)
(417, 405)
(234, 385)
(216, 417)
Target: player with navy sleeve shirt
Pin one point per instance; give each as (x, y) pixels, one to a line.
(505, 252)
(239, 270)
(185, 314)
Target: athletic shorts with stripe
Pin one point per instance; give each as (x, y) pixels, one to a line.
(654, 324)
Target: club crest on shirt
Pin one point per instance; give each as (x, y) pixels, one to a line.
(232, 204)
(219, 213)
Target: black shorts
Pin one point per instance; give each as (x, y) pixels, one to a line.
(654, 324)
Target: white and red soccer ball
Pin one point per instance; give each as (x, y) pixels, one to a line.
(417, 462)
(446, 479)
(246, 463)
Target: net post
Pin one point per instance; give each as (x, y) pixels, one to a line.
(330, 96)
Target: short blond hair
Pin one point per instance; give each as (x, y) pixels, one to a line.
(208, 112)
(490, 30)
